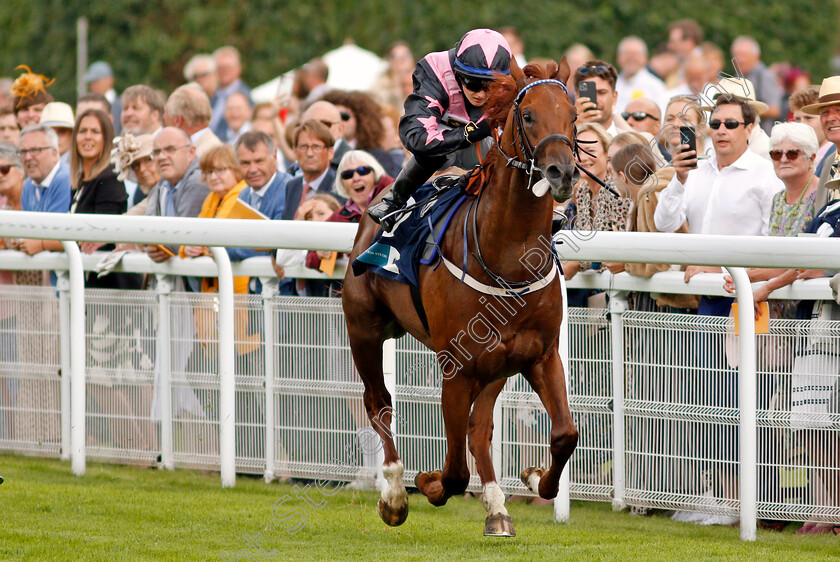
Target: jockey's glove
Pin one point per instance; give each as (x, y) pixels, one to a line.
(477, 131)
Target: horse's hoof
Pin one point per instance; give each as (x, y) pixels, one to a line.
(531, 478)
(430, 485)
(498, 526)
(393, 517)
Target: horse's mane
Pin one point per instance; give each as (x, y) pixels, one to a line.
(503, 90)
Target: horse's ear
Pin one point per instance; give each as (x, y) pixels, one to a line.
(563, 71)
(516, 72)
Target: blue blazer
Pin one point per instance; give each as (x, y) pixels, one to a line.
(56, 198)
(272, 205)
(294, 190)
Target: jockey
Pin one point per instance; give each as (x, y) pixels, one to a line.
(444, 114)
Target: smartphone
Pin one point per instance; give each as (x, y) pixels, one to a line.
(588, 89)
(689, 137)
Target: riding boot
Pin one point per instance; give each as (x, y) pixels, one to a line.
(412, 176)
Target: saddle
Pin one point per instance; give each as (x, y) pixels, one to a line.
(415, 239)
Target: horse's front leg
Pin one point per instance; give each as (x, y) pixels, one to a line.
(457, 396)
(547, 379)
(498, 522)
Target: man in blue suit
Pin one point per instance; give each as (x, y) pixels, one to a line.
(47, 187)
(266, 191)
(314, 148)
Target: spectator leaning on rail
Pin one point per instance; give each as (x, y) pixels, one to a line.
(729, 193)
(180, 192)
(47, 188)
(265, 188)
(444, 113)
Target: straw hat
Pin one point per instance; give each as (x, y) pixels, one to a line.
(741, 88)
(129, 149)
(58, 114)
(829, 95)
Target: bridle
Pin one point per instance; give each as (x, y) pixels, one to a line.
(530, 153)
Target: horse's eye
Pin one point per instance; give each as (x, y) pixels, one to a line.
(526, 116)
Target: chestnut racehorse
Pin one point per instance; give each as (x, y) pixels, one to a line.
(501, 318)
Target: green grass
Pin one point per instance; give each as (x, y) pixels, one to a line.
(119, 512)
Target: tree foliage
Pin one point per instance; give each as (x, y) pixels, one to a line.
(149, 41)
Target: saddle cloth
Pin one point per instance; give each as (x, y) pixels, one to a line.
(414, 240)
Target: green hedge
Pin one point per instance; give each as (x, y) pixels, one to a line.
(149, 41)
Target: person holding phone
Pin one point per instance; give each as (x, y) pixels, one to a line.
(444, 115)
(596, 96)
(729, 193)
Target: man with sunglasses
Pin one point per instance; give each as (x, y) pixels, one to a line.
(444, 115)
(729, 193)
(604, 76)
(643, 115)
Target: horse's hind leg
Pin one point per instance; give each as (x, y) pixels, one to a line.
(456, 397)
(547, 380)
(367, 353)
(498, 522)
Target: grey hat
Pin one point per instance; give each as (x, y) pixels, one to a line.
(98, 70)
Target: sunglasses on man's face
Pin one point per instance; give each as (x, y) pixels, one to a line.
(729, 124)
(4, 169)
(791, 154)
(638, 115)
(594, 69)
(361, 170)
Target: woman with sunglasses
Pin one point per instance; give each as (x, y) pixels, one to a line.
(444, 115)
(360, 178)
(793, 149)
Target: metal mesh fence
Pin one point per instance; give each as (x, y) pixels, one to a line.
(30, 415)
(120, 343)
(681, 399)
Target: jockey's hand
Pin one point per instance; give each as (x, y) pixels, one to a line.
(477, 131)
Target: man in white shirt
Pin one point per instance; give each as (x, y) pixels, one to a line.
(729, 193)
(635, 80)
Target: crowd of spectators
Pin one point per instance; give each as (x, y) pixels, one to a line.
(207, 150)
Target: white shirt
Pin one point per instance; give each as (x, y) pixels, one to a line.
(643, 84)
(734, 200)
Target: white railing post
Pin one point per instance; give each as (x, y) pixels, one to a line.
(63, 287)
(78, 391)
(389, 372)
(747, 406)
(617, 307)
(269, 291)
(227, 373)
(562, 503)
(163, 347)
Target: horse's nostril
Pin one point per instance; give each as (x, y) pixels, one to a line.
(552, 173)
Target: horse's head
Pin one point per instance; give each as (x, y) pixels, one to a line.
(539, 126)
